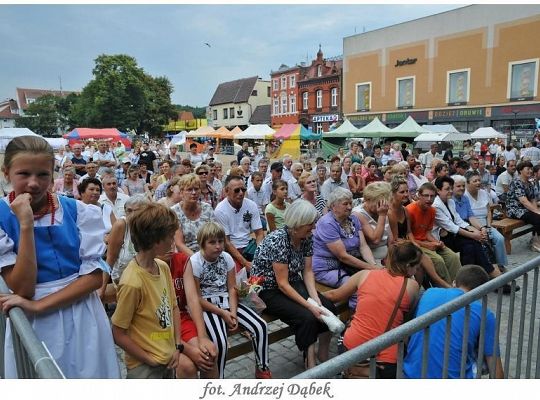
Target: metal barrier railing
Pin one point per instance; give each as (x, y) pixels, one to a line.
(31, 356)
(514, 362)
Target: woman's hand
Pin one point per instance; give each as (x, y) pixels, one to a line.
(173, 362)
(202, 359)
(230, 319)
(8, 301)
(316, 311)
(23, 210)
(382, 207)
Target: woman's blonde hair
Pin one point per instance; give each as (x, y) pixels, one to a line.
(376, 191)
(303, 178)
(188, 180)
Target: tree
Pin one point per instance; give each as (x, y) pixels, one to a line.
(48, 115)
(123, 96)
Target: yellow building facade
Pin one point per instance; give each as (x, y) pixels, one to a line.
(474, 66)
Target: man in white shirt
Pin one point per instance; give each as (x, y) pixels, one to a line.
(258, 196)
(256, 157)
(91, 171)
(532, 153)
(429, 156)
(104, 158)
(276, 172)
(504, 179)
(294, 191)
(240, 218)
(111, 195)
(287, 164)
(333, 182)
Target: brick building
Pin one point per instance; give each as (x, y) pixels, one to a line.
(319, 90)
(284, 94)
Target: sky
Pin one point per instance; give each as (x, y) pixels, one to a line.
(43, 45)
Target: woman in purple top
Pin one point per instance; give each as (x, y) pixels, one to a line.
(339, 247)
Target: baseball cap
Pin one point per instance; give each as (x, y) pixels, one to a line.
(125, 160)
(278, 166)
(210, 147)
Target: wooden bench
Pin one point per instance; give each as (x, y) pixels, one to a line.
(243, 345)
(511, 228)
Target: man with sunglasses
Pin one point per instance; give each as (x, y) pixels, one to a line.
(239, 217)
(422, 219)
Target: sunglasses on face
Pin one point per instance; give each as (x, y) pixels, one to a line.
(202, 173)
(237, 190)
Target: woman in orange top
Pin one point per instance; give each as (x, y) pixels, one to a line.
(378, 292)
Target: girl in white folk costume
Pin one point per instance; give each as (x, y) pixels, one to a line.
(50, 258)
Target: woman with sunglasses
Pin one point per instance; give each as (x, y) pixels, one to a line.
(208, 194)
(192, 213)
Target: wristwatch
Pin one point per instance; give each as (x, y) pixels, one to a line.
(180, 347)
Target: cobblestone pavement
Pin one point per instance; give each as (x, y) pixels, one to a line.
(286, 360)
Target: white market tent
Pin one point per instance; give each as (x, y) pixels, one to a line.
(408, 128)
(441, 133)
(179, 138)
(56, 143)
(375, 129)
(257, 131)
(6, 134)
(487, 133)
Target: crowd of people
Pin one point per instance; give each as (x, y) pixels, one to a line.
(158, 240)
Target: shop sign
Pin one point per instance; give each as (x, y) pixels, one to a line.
(508, 111)
(408, 61)
(463, 113)
(325, 118)
(402, 116)
(365, 117)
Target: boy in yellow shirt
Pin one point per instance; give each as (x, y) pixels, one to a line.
(146, 319)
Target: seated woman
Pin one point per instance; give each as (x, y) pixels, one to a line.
(89, 190)
(416, 179)
(173, 194)
(479, 203)
(355, 181)
(339, 246)
(284, 259)
(379, 293)
(373, 215)
(373, 173)
(521, 202)
(192, 214)
(67, 185)
(308, 184)
(400, 225)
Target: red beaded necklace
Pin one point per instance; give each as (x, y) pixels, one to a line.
(49, 207)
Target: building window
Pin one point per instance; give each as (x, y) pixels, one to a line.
(333, 97)
(284, 104)
(275, 83)
(225, 113)
(276, 106)
(363, 96)
(268, 91)
(305, 97)
(292, 104)
(319, 70)
(405, 92)
(231, 112)
(457, 87)
(254, 93)
(292, 81)
(214, 114)
(319, 98)
(283, 82)
(522, 80)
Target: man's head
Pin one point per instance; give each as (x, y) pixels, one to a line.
(426, 194)
(255, 150)
(511, 167)
(145, 145)
(386, 148)
(245, 146)
(434, 148)
(211, 151)
(110, 184)
(91, 169)
(473, 163)
(461, 167)
(276, 169)
(103, 147)
(193, 148)
(77, 150)
(257, 180)
(470, 276)
(263, 166)
(377, 150)
(335, 172)
(235, 190)
(287, 161)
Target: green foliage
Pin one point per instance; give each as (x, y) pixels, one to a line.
(48, 115)
(123, 96)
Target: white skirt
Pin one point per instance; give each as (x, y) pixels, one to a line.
(79, 336)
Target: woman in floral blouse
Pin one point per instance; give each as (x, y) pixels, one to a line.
(284, 260)
(192, 214)
(521, 201)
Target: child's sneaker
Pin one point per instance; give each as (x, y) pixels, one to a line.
(263, 373)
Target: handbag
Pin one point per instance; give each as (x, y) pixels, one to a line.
(361, 370)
